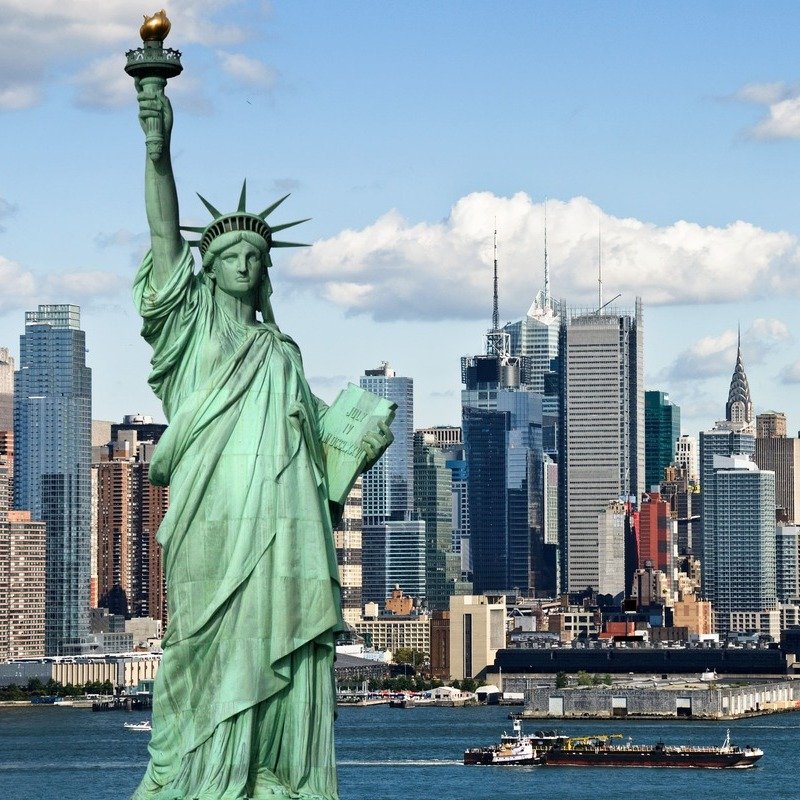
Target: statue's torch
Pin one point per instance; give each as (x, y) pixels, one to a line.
(152, 64)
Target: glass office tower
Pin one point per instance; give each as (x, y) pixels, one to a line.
(52, 458)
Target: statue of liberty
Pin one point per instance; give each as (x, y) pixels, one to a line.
(244, 698)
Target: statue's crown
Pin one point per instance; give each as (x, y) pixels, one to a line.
(241, 220)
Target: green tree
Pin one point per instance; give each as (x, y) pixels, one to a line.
(407, 655)
(584, 678)
(561, 680)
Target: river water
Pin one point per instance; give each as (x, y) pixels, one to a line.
(404, 754)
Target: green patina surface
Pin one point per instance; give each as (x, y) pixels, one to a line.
(244, 699)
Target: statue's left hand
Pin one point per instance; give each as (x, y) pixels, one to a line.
(375, 443)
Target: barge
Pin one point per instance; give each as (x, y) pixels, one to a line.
(554, 750)
(598, 751)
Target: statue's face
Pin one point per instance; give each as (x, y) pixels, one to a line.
(237, 269)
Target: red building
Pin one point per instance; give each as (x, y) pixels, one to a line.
(655, 533)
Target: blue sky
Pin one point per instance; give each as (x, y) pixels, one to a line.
(405, 130)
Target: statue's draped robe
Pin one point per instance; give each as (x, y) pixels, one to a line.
(244, 696)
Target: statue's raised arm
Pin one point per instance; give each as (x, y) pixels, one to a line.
(161, 197)
(150, 66)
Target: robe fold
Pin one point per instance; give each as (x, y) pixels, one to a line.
(243, 703)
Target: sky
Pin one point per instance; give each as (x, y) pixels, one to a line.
(409, 131)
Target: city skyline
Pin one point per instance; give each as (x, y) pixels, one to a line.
(674, 132)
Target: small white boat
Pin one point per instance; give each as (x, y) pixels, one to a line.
(144, 725)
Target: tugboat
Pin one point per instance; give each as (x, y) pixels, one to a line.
(515, 748)
(598, 751)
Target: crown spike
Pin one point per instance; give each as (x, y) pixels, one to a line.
(191, 229)
(213, 211)
(275, 228)
(289, 244)
(243, 196)
(267, 211)
(193, 242)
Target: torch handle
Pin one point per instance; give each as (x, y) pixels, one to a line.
(154, 127)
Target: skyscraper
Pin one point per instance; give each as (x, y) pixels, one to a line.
(505, 464)
(719, 441)
(6, 390)
(771, 425)
(389, 485)
(52, 435)
(657, 534)
(787, 558)
(502, 424)
(393, 543)
(433, 502)
(686, 456)
(22, 544)
(347, 539)
(611, 550)
(536, 336)
(738, 500)
(484, 375)
(457, 464)
(683, 496)
(662, 428)
(739, 408)
(740, 566)
(129, 511)
(602, 455)
(781, 454)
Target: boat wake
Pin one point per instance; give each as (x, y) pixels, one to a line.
(400, 762)
(78, 766)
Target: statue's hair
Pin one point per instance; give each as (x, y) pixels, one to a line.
(225, 240)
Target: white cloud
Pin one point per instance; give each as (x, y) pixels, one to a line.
(763, 94)
(23, 288)
(781, 122)
(713, 356)
(395, 269)
(121, 238)
(781, 118)
(790, 373)
(15, 98)
(104, 84)
(18, 285)
(48, 40)
(95, 283)
(248, 71)
(329, 382)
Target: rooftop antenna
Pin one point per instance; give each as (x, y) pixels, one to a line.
(498, 341)
(495, 307)
(599, 265)
(546, 268)
(600, 304)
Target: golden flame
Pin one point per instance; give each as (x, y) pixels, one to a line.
(155, 28)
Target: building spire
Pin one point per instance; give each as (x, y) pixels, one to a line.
(498, 340)
(599, 267)
(496, 305)
(739, 408)
(546, 267)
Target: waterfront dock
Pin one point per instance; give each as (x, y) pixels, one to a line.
(676, 697)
